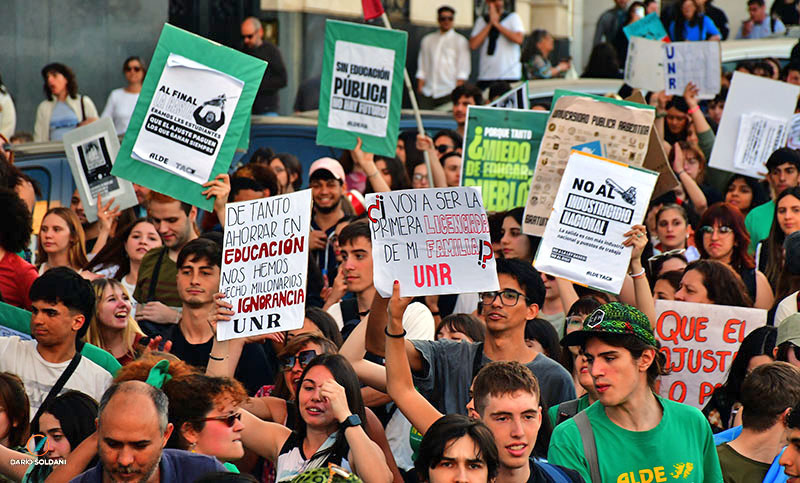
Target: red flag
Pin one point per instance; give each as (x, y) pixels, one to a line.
(372, 9)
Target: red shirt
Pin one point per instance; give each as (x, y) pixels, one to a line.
(16, 278)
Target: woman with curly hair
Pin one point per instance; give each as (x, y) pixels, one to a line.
(64, 109)
(16, 274)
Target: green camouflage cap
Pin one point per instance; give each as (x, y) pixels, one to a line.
(613, 318)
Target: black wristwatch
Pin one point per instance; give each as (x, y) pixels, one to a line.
(352, 420)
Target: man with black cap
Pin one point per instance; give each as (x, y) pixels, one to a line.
(326, 179)
(632, 434)
(783, 171)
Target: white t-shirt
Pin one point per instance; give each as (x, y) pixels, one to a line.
(119, 107)
(20, 357)
(504, 64)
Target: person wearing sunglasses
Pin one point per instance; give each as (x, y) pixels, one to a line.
(275, 79)
(722, 237)
(444, 61)
(121, 101)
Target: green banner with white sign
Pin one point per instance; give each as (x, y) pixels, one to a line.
(500, 154)
(362, 87)
(194, 105)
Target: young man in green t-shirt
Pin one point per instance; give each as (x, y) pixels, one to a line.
(638, 435)
(768, 393)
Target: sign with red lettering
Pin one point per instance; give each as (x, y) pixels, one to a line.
(433, 241)
(700, 342)
(264, 264)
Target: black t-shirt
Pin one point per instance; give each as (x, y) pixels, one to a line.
(254, 369)
(540, 475)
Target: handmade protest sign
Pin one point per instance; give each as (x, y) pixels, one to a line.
(755, 107)
(433, 241)
(644, 66)
(597, 202)
(514, 99)
(697, 62)
(500, 154)
(91, 151)
(623, 128)
(648, 27)
(194, 104)
(362, 87)
(264, 264)
(700, 342)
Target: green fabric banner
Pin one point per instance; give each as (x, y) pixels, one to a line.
(500, 154)
(362, 87)
(194, 105)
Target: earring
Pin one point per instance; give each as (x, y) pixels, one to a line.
(193, 447)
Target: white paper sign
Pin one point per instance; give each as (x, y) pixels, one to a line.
(700, 342)
(433, 241)
(597, 202)
(264, 264)
(697, 62)
(187, 119)
(793, 140)
(644, 67)
(514, 99)
(748, 95)
(361, 88)
(759, 136)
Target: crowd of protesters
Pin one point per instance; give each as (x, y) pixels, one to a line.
(110, 369)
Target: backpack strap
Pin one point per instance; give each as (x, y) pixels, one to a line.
(567, 410)
(151, 291)
(554, 472)
(59, 385)
(83, 110)
(589, 444)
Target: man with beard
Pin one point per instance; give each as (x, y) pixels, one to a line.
(275, 76)
(326, 179)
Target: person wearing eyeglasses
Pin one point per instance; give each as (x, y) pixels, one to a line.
(275, 77)
(444, 61)
(723, 237)
(121, 101)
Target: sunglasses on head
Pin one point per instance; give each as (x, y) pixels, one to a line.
(302, 358)
(228, 419)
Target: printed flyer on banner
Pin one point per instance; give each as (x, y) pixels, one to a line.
(500, 154)
(187, 119)
(697, 62)
(622, 128)
(597, 202)
(514, 99)
(649, 27)
(265, 263)
(757, 117)
(700, 342)
(190, 116)
(433, 241)
(362, 87)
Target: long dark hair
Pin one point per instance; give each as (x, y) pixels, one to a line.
(723, 285)
(759, 195)
(114, 252)
(444, 432)
(17, 408)
(76, 412)
(774, 243)
(530, 48)
(681, 24)
(346, 377)
(72, 82)
(603, 63)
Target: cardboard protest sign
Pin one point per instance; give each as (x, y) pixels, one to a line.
(648, 27)
(700, 342)
(597, 202)
(362, 87)
(91, 151)
(644, 66)
(434, 241)
(194, 104)
(500, 154)
(757, 109)
(697, 62)
(264, 264)
(514, 99)
(622, 127)
(656, 158)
